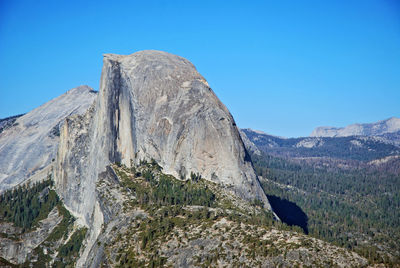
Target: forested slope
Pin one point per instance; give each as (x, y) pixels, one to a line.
(358, 209)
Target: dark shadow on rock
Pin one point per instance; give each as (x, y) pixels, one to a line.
(289, 212)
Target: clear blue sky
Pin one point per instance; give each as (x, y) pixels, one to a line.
(283, 67)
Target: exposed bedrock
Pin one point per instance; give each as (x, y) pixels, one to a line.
(152, 104)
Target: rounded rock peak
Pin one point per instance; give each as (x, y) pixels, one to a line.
(142, 54)
(147, 56)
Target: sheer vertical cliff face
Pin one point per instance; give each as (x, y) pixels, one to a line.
(156, 105)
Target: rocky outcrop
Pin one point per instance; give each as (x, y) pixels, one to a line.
(390, 125)
(20, 245)
(184, 238)
(28, 145)
(152, 105)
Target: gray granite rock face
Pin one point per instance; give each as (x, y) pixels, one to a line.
(30, 143)
(152, 104)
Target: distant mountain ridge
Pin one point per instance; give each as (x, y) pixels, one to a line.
(347, 180)
(361, 148)
(382, 127)
(362, 142)
(8, 122)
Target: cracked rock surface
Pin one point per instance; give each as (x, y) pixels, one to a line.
(28, 145)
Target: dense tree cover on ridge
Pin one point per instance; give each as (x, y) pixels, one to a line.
(26, 205)
(166, 190)
(345, 207)
(70, 250)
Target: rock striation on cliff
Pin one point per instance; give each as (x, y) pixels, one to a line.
(152, 105)
(29, 143)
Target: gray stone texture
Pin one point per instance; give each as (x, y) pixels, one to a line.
(152, 104)
(30, 143)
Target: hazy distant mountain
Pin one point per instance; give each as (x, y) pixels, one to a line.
(362, 148)
(390, 125)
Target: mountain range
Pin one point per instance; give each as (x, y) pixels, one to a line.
(355, 147)
(391, 125)
(153, 171)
